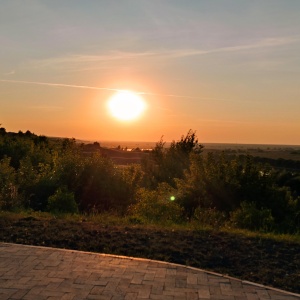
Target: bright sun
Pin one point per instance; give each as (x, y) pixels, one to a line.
(126, 105)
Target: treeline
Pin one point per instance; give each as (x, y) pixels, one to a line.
(280, 163)
(174, 184)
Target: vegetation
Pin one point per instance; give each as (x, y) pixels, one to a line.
(179, 205)
(176, 184)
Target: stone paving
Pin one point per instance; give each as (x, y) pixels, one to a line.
(29, 272)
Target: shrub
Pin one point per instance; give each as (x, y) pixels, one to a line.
(291, 221)
(165, 164)
(249, 217)
(62, 201)
(39, 193)
(156, 205)
(102, 187)
(8, 188)
(209, 216)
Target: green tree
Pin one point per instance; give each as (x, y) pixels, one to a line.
(166, 164)
(210, 182)
(8, 187)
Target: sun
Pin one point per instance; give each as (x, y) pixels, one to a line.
(126, 105)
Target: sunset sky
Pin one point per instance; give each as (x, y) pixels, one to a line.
(228, 69)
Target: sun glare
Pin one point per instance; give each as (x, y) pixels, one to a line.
(126, 106)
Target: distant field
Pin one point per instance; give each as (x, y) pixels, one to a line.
(268, 151)
(273, 152)
(288, 152)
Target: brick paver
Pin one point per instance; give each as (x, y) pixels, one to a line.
(33, 273)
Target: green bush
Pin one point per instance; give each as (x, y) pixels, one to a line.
(291, 222)
(8, 189)
(249, 217)
(156, 205)
(62, 201)
(102, 187)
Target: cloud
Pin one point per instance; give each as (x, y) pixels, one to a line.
(265, 43)
(80, 60)
(12, 72)
(59, 85)
(76, 62)
(111, 89)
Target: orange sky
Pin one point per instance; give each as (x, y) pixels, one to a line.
(229, 71)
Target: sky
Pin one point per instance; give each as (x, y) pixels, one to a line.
(227, 69)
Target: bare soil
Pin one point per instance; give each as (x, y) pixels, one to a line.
(263, 261)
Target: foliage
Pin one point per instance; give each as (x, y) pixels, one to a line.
(62, 201)
(164, 165)
(248, 216)
(101, 186)
(36, 184)
(43, 174)
(217, 182)
(209, 217)
(284, 178)
(156, 205)
(8, 188)
(210, 182)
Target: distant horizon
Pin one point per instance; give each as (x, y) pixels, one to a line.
(202, 143)
(168, 142)
(105, 141)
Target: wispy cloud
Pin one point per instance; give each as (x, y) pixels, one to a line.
(60, 85)
(12, 72)
(88, 59)
(265, 43)
(76, 62)
(111, 89)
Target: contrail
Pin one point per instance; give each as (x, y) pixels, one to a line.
(108, 89)
(60, 84)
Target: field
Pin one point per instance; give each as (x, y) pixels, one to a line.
(286, 152)
(258, 258)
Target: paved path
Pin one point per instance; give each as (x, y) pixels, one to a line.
(29, 272)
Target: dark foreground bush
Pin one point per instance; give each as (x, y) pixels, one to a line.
(62, 201)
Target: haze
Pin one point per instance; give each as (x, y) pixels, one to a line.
(228, 69)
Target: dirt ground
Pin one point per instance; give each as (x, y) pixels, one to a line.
(259, 260)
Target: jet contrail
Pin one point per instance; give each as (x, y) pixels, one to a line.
(107, 89)
(60, 84)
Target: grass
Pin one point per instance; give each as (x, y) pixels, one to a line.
(110, 219)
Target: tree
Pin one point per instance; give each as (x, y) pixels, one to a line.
(166, 164)
(210, 182)
(2, 130)
(8, 187)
